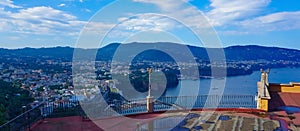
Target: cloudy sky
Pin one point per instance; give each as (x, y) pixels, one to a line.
(44, 23)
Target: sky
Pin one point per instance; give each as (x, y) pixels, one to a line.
(79, 23)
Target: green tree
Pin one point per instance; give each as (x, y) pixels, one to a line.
(12, 98)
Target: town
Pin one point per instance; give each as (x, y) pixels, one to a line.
(51, 79)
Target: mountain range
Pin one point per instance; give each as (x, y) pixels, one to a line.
(232, 53)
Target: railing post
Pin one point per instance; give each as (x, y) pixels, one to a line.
(150, 104)
(25, 122)
(29, 121)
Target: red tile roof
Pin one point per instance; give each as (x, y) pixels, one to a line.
(280, 99)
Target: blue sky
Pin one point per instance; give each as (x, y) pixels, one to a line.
(44, 23)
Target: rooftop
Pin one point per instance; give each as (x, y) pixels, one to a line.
(166, 121)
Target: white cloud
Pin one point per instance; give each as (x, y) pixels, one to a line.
(222, 14)
(40, 20)
(97, 28)
(147, 22)
(61, 5)
(243, 15)
(181, 11)
(8, 3)
(166, 5)
(235, 17)
(43, 12)
(87, 10)
(280, 16)
(144, 22)
(225, 12)
(274, 22)
(81, 1)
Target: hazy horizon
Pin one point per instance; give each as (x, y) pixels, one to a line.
(67, 46)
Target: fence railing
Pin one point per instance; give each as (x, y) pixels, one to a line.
(117, 108)
(61, 109)
(185, 102)
(212, 101)
(50, 109)
(23, 121)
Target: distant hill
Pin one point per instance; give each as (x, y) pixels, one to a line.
(233, 53)
(254, 53)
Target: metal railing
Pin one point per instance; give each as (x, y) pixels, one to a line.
(50, 109)
(129, 107)
(23, 121)
(212, 101)
(60, 109)
(118, 108)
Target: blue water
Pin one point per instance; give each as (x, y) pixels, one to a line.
(246, 84)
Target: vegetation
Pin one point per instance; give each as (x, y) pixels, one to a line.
(57, 87)
(12, 98)
(140, 81)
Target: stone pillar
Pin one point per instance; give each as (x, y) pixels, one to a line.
(263, 93)
(150, 104)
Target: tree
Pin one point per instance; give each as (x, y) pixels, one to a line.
(12, 98)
